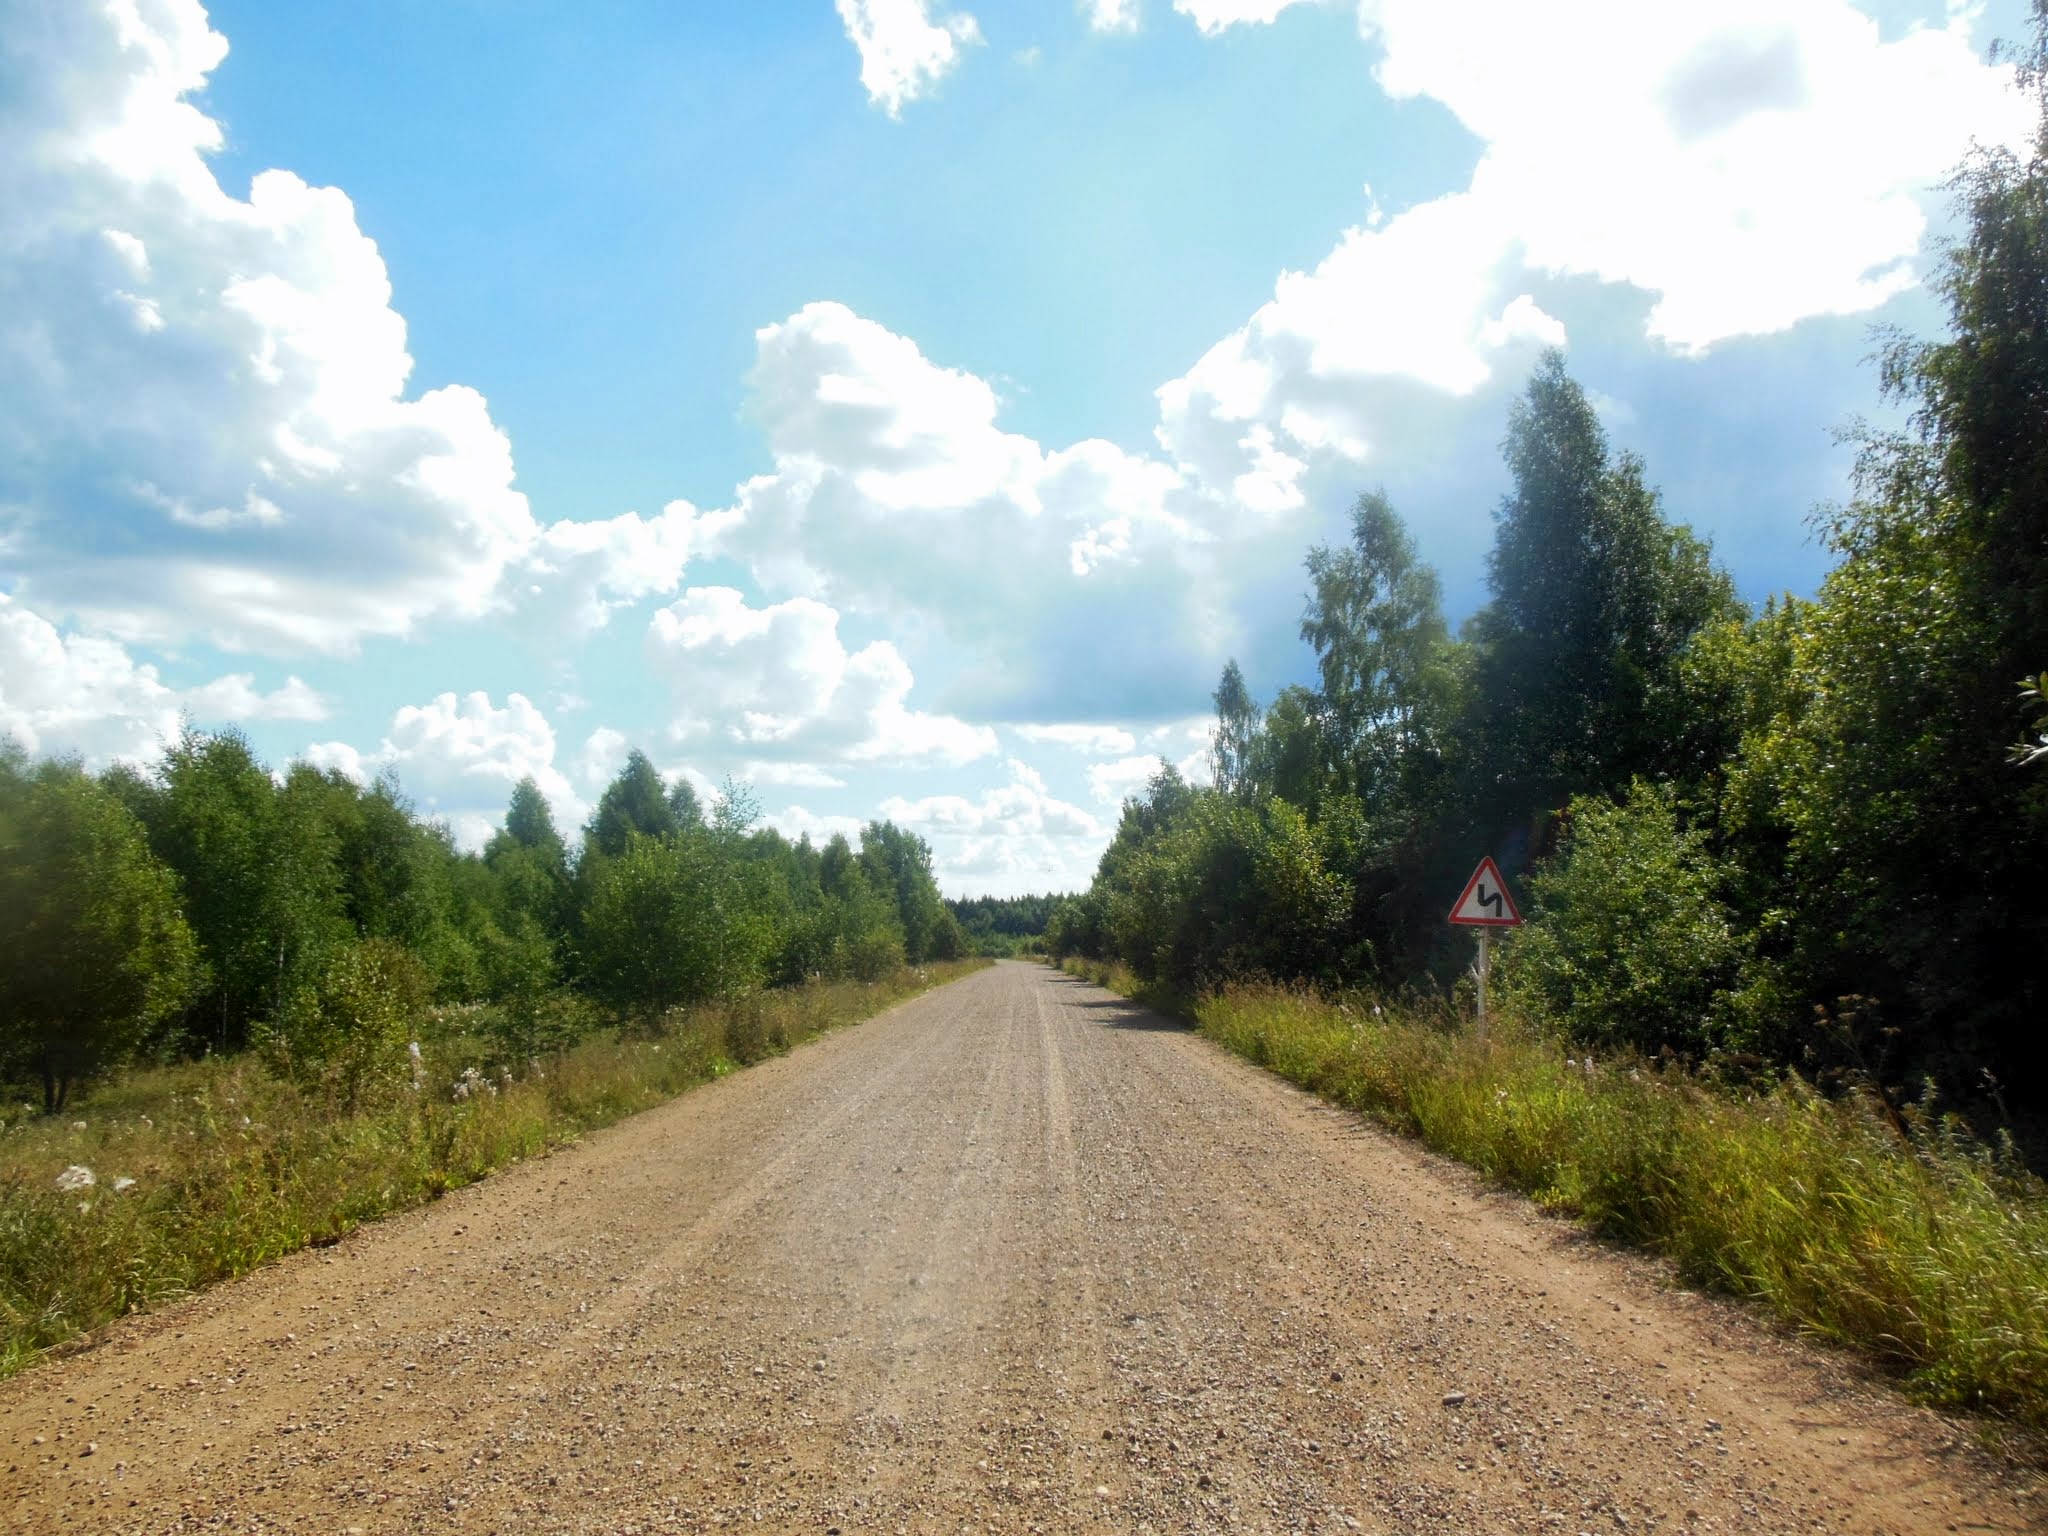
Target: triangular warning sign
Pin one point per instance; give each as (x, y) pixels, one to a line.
(1486, 902)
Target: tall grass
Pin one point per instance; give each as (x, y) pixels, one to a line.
(232, 1167)
(1901, 1237)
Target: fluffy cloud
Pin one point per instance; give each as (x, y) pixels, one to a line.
(1013, 838)
(1747, 165)
(576, 575)
(1094, 740)
(1213, 16)
(1775, 152)
(896, 491)
(1183, 743)
(904, 50)
(795, 822)
(777, 684)
(204, 429)
(461, 757)
(1111, 15)
(1113, 783)
(86, 694)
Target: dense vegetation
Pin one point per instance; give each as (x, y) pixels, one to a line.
(1809, 838)
(207, 907)
(1003, 925)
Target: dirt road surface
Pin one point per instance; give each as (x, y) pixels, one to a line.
(1015, 1256)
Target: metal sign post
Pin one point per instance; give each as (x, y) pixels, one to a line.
(1485, 905)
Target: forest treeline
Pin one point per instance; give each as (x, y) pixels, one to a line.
(1003, 925)
(205, 906)
(1811, 836)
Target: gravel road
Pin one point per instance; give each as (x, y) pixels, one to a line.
(1015, 1256)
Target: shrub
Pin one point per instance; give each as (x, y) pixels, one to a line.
(345, 1036)
(1628, 943)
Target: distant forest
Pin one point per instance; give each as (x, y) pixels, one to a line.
(1003, 925)
(1811, 837)
(204, 905)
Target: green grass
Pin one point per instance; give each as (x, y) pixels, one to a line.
(233, 1167)
(1914, 1244)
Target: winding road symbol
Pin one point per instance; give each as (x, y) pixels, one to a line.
(1486, 902)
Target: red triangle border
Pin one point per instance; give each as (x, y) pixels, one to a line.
(1514, 915)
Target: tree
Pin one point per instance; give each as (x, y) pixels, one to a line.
(1237, 722)
(1375, 618)
(634, 802)
(529, 824)
(1594, 599)
(898, 864)
(673, 922)
(94, 952)
(259, 877)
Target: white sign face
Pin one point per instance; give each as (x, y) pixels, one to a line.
(1486, 902)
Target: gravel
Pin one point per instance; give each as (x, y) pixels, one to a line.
(1014, 1256)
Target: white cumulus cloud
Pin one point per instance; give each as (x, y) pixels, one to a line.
(460, 756)
(1111, 15)
(776, 683)
(1747, 166)
(1094, 740)
(1014, 837)
(1213, 16)
(895, 490)
(203, 407)
(904, 48)
(85, 694)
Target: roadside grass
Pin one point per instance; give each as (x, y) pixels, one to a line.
(232, 1166)
(1906, 1240)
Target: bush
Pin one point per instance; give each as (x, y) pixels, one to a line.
(1628, 943)
(345, 1036)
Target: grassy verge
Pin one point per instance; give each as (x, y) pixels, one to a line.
(1924, 1250)
(231, 1167)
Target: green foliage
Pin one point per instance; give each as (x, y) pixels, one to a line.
(259, 875)
(344, 1034)
(96, 952)
(1629, 943)
(633, 804)
(2033, 694)
(1375, 618)
(670, 923)
(1595, 598)
(520, 974)
(898, 865)
(1816, 813)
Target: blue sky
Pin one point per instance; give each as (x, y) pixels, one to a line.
(904, 404)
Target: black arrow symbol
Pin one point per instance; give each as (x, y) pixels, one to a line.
(1493, 900)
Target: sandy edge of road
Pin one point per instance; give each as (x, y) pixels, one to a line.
(1014, 1254)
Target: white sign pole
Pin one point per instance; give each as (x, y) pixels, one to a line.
(1483, 936)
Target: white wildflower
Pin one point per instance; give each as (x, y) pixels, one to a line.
(75, 1178)
(149, 1122)
(78, 1125)
(123, 1183)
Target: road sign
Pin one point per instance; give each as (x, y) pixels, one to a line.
(1486, 902)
